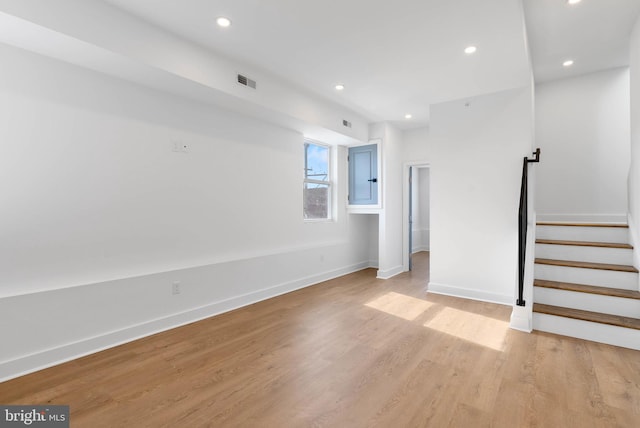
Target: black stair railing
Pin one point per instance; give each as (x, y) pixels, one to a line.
(523, 223)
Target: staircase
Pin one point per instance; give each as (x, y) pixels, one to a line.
(585, 285)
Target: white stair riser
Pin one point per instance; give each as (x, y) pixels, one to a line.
(587, 302)
(577, 233)
(617, 256)
(603, 333)
(602, 278)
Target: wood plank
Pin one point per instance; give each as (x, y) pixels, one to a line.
(579, 314)
(584, 243)
(611, 374)
(587, 265)
(586, 387)
(570, 224)
(325, 356)
(591, 289)
(551, 377)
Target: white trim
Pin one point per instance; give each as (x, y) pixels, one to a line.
(364, 209)
(521, 319)
(467, 293)
(584, 218)
(50, 357)
(386, 274)
(420, 249)
(633, 240)
(319, 220)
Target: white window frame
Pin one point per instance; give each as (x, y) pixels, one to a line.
(328, 182)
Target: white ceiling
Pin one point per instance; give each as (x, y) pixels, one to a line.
(394, 57)
(398, 57)
(593, 33)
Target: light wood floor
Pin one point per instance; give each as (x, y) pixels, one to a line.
(351, 352)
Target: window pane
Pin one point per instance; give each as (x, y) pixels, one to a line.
(317, 165)
(316, 201)
(362, 173)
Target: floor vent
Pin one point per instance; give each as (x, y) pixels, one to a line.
(245, 81)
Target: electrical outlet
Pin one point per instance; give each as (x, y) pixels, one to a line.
(175, 288)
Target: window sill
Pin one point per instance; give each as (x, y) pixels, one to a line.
(364, 209)
(318, 220)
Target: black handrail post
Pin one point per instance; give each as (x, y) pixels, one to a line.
(523, 213)
(522, 232)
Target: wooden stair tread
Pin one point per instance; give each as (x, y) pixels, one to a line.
(578, 314)
(591, 289)
(587, 265)
(584, 243)
(560, 223)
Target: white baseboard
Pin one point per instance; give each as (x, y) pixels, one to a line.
(584, 218)
(467, 293)
(386, 274)
(50, 357)
(419, 249)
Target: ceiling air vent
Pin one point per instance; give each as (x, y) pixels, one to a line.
(245, 81)
(346, 123)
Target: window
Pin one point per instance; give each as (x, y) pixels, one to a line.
(317, 181)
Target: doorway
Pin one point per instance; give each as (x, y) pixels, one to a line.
(416, 212)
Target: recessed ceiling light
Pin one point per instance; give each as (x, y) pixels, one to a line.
(567, 63)
(223, 22)
(339, 87)
(470, 49)
(573, 1)
(408, 116)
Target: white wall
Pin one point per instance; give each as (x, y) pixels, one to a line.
(476, 163)
(390, 218)
(416, 151)
(373, 231)
(100, 216)
(416, 147)
(165, 61)
(634, 173)
(582, 128)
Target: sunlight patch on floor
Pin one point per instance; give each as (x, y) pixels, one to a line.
(479, 329)
(399, 305)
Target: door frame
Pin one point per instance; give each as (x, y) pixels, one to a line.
(406, 252)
